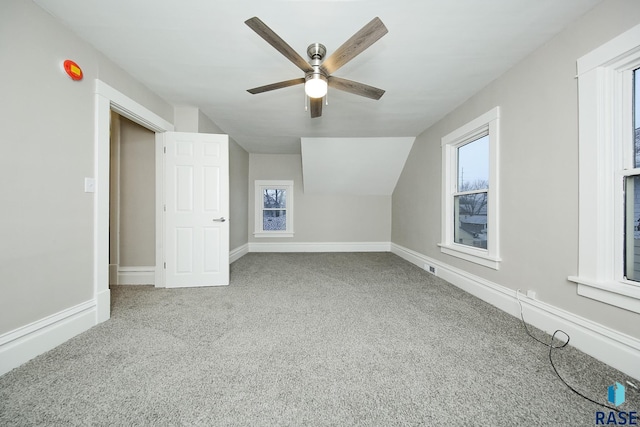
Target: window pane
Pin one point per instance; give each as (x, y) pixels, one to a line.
(275, 198)
(470, 220)
(632, 228)
(274, 220)
(473, 165)
(636, 116)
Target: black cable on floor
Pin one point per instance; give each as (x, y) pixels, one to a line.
(551, 348)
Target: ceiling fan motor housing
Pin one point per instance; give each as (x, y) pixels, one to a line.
(316, 52)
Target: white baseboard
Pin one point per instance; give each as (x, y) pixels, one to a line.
(320, 247)
(238, 252)
(23, 344)
(144, 275)
(616, 349)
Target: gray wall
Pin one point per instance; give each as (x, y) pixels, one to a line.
(46, 255)
(137, 185)
(320, 218)
(538, 171)
(238, 195)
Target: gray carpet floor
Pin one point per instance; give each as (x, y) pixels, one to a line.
(306, 340)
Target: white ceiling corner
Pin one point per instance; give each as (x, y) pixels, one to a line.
(353, 166)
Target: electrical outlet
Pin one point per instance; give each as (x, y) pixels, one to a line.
(531, 294)
(431, 269)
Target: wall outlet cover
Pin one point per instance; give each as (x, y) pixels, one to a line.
(89, 185)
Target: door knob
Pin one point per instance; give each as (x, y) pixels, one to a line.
(221, 219)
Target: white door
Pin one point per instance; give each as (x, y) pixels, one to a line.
(196, 209)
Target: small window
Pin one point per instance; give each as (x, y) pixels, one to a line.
(470, 193)
(274, 209)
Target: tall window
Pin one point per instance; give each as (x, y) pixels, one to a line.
(273, 209)
(470, 193)
(632, 190)
(472, 189)
(609, 172)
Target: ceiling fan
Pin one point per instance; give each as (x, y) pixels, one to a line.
(318, 74)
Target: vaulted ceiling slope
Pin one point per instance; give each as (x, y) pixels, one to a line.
(361, 166)
(436, 55)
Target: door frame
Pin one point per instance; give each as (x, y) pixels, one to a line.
(107, 99)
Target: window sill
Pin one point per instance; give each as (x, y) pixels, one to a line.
(476, 256)
(612, 293)
(272, 234)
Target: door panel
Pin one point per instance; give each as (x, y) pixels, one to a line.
(197, 201)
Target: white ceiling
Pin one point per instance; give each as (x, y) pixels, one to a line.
(200, 53)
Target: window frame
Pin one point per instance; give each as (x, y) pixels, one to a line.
(486, 124)
(605, 109)
(260, 186)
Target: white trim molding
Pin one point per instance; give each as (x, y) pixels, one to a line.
(239, 252)
(623, 296)
(23, 344)
(605, 156)
(488, 124)
(616, 349)
(262, 185)
(145, 275)
(125, 106)
(320, 247)
(107, 99)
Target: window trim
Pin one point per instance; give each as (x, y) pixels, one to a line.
(260, 185)
(604, 92)
(487, 124)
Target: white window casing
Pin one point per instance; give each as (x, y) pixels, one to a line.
(605, 82)
(486, 124)
(260, 186)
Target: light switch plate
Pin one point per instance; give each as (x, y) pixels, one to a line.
(89, 185)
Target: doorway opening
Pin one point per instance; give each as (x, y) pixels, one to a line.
(108, 99)
(132, 217)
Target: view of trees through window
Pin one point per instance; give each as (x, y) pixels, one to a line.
(470, 199)
(632, 192)
(274, 209)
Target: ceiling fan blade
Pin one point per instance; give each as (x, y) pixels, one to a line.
(274, 86)
(274, 40)
(368, 35)
(355, 87)
(316, 107)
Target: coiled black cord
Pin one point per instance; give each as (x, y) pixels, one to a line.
(554, 347)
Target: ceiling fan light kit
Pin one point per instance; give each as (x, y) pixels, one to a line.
(315, 85)
(317, 74)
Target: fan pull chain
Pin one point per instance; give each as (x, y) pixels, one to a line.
(306, 108)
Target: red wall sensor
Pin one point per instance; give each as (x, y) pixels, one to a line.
(73, 70)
